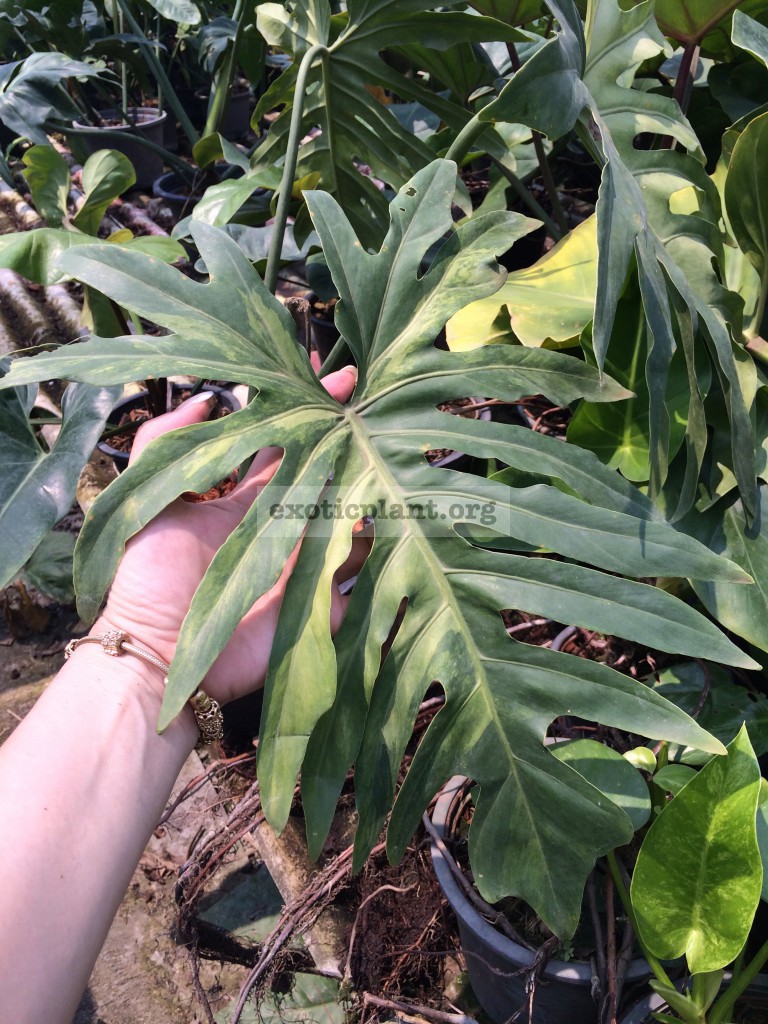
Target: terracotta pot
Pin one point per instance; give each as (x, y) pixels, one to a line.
(497, 967)
(149, 125)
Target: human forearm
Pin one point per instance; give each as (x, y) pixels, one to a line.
(84, 781)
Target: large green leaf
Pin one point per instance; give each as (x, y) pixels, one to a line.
(742, 609)
(31, 95)
(609, 772)
(750, 35)
(353, 124)
(37, 487)
(762, 834)
(671, 248)
(697, 880)
(333, 700)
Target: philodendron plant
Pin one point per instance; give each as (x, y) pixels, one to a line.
(698, 881)
(331, 702)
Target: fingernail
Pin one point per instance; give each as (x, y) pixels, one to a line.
(198, 399)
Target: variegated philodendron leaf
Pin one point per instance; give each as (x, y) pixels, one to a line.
(330, 702)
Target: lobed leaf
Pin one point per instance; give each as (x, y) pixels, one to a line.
(329, 704)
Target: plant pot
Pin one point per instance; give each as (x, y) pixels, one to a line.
(137, 401)
(180, 197)
(149, 125)
(237, 120)
(755, 997)
(497, 967)
(177, 196)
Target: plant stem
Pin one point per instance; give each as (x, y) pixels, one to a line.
(541, 156)
(530, 200)
(618, 881)
(160, 76)
(289, 170)
(721, 1011)
(157, 41)
(461, 145)
(686, 74)
(123, 67)
(223, 78)
(286, 185)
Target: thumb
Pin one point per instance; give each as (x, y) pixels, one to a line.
(341, 383)
(194, 410)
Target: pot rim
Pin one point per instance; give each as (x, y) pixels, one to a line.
(117, 453)
(575, 971)
(155, 116)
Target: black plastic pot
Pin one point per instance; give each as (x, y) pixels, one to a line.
(176, 193)
(237, 119)
(498, 967)
(149, 124)
(170, 188)
(137, 401)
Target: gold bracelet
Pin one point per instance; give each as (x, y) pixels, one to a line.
(207, 711)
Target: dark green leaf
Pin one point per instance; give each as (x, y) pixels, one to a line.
(32, 95)
(726, 708)
(37, 489)
(746, 195)
(609, 772)
(742, 609)
(354, 125)
(50, 567)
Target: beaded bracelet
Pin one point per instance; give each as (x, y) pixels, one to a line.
(207, 711)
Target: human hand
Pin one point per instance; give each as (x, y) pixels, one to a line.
(165, 562)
